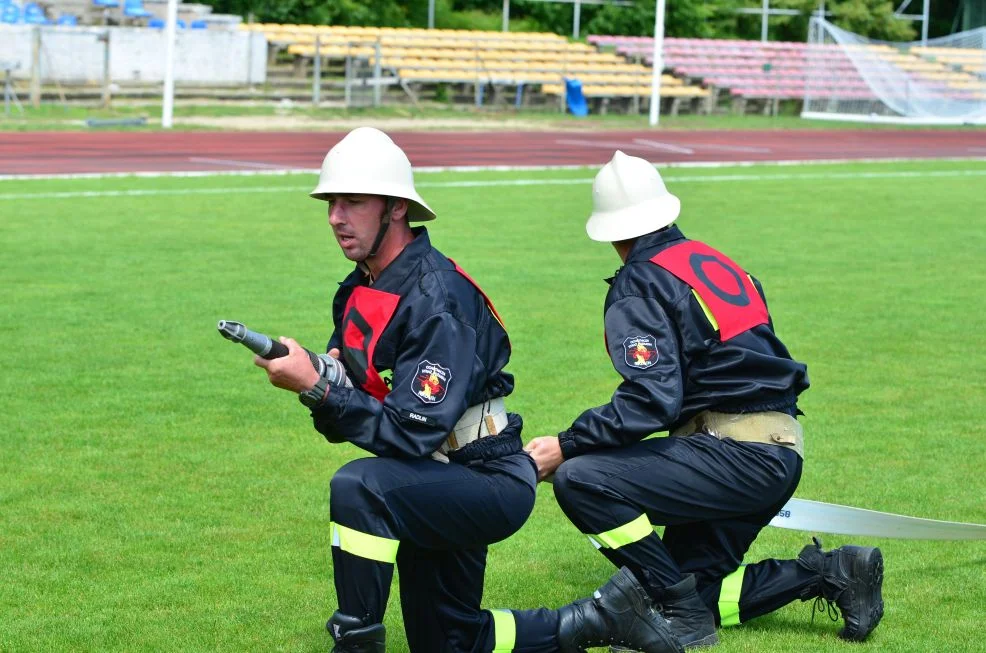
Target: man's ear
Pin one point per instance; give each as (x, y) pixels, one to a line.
(399, 210)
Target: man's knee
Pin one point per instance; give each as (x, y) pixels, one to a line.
(575, 484)
(354, 482)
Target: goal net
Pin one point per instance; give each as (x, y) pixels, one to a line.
(850, 77)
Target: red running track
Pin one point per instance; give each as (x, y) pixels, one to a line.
(54, 153)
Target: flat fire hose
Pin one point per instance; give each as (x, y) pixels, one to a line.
(819, 517)
(805, 515)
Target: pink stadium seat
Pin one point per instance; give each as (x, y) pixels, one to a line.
(780, 70)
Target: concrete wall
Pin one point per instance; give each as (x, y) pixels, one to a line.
(75, 54)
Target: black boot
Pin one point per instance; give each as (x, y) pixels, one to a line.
(690, 619)
(852, 578)
(619, 612)
(353, 635)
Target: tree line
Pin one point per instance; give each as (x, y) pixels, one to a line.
(684, 18)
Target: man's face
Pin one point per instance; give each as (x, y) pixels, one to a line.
(355, 221)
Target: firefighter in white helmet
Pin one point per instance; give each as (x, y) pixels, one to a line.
(423, 351)
(689, 332)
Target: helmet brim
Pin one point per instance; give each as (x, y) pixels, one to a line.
(417, 209)
(633, 221)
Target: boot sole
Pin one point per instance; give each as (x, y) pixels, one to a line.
(868, 566)
(705, 642)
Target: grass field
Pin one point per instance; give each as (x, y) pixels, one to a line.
(157, 494)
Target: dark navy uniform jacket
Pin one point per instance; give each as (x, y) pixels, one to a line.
(693, 370)
(443, 349)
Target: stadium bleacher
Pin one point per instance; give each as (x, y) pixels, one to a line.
(965, 68)
(28, 13)
(774, 71)
(135, 9)
(697, 72)
(70, 13)
(502, 59)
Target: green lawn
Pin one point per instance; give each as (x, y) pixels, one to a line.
(157, 494)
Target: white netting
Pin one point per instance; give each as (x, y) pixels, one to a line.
(854, 78)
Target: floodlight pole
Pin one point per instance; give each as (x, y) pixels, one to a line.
(658, 63)
(506, 15)
(169, 65)
(431, 14)
(576, 19)
(924, 22)
(763, 21)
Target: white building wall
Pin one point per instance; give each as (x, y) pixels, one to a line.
(76, 54)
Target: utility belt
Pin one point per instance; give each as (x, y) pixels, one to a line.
(770, 427)
(479, 421)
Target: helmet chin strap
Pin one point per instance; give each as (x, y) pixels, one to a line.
(384, 223)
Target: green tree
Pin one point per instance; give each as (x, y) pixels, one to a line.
(684, 18)
(789, 28)
(550, 16)
(872, 18)
(322, 12)
(417, 12)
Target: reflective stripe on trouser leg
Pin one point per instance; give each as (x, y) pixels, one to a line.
(628, 533)
(364, 545)
(505, 630)
(729, 597)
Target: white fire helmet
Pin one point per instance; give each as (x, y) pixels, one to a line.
(629, 199)
(367, 162)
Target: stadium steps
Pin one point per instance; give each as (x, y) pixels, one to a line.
(93, 93)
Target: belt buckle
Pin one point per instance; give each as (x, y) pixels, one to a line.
(702, 425)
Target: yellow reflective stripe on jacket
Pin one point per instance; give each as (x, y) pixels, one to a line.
(729, 597)
(505, 631)
(628, 533)
(706, 310)
(364, 545)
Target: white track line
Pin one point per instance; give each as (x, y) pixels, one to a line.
(666, 147)
(156, 174)
(487, 183)
(150, 192)
(484, 168)
(673, 179)
(606, 145)
(734, 148)
(232, 162)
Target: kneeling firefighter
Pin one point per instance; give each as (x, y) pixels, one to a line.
(414, 373)
(689, 332)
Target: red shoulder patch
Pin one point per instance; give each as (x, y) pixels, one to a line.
(726, 289)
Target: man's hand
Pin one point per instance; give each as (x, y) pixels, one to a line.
(334, 370)
(546, 453)
(293, 372)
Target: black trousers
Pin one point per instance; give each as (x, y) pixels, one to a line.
(713, 496)
(434, 521)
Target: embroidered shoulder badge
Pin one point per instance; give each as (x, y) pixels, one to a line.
(431, 382)
(640, 351)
